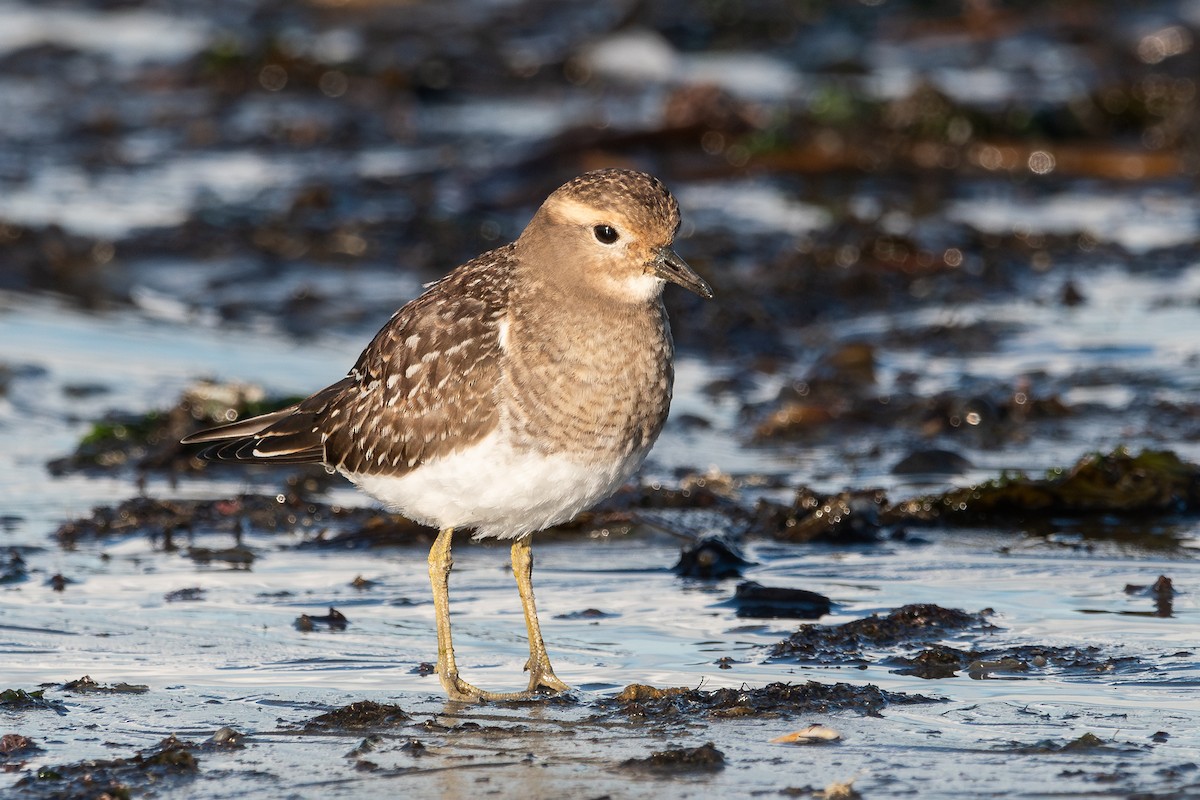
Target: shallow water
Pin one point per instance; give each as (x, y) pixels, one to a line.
(234, 658)
(233, 231)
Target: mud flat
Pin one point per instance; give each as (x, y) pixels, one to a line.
(924, 520)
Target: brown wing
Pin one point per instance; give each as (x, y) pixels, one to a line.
(424, 387)
(281, 437)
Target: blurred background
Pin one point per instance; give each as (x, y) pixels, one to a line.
(877, 190)
(948, 239)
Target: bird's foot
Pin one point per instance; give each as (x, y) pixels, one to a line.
(541, 684)
(542, 679)
(460, 691)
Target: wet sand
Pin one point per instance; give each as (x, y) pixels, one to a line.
(930, 479)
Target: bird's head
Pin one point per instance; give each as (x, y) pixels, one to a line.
(610, 232)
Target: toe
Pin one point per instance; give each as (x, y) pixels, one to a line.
(546, 682)
(459, 690)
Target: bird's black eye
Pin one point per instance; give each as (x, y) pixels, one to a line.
(606, 234)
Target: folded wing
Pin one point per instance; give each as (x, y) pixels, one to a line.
(424, 387)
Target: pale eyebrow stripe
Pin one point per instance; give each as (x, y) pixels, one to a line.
(585, 214)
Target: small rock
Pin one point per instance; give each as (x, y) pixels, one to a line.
(191, 594)
(711, 558)
(11, 743)
(772, 602)
(1070, 295)
(932, 462)
(335, 620)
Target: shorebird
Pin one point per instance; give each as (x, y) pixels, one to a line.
(522, 388)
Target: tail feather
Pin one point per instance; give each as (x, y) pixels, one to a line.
(239, 429)
(288, 436)
(245, 451)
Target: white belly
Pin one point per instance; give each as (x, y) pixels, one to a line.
(497, 490)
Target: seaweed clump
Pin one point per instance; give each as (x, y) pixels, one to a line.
(21, 700)
(1116, 483)
(170, 762)
(773, 700)
(705, 758)
(941, 661)
(845, 643)
(88, 685)
(332, 525)
(151, 440)
(363, 715)
(843, 518)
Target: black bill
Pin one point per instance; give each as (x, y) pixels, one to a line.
(669, 266)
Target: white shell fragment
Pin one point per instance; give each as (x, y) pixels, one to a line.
(813, 734)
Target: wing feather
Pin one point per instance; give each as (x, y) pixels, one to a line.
(424, 387)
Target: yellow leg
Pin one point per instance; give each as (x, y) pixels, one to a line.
(541, 674)
(440, 563)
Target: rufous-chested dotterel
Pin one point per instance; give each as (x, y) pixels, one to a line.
(517, 391)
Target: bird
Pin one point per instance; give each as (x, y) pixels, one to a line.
(520, 389)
